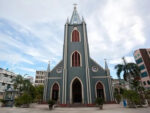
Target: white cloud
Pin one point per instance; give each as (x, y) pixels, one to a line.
(27, 69)
(120, 60)
(115, 29)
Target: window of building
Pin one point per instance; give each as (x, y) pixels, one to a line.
(94, 68)
(144, 74)
(3, 84)
(148, 82)
(75, 36)
(76, 60)
(142, 67)
(144, 83)
(138, 61)
(135, 57)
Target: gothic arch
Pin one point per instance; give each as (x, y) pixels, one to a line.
(103, 87)
(77, 56)
(71, 92)
(75, 35)
(52, 91)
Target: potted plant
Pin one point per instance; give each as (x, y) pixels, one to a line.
(3, 102)
(100, 102)
(51, 104)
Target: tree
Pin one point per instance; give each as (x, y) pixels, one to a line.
(25, 89)
(117, 95)
(129, 70)
(39, 93)
(24, 100)
(133, 98)
(18, 80)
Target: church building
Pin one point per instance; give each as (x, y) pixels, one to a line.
(77, 78)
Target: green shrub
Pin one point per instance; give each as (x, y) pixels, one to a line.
(3, 101)
(99, 101)
(133, 98)
(51, 102)
(24, 99)
(118, 98)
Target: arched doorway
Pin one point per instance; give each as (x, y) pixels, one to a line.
(55, 92)
(99, 90)
(76, 91)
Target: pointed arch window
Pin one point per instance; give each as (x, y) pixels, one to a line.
(76, 59)
(55, 92)
(100, 90)
(75, 36)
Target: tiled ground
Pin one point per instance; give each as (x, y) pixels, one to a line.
(108, 108)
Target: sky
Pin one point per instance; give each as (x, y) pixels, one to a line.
(32, 31)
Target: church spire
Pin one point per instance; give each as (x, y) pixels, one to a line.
(48, 67)
(106, 68)
(75, 19)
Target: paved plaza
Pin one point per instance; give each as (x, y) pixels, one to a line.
(108, 108)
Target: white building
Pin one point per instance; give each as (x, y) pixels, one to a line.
(40, 77)
(30, 78)
(5, 80)
(120, 83)
(142, 58)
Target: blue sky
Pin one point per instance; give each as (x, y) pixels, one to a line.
(32, 31)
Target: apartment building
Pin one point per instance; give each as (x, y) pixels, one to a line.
(142, 58)
(5, 80)
(40, 77)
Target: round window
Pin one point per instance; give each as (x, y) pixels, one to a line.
(59, 70)
(94, 68)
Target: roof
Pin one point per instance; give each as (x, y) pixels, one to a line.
(75, 19)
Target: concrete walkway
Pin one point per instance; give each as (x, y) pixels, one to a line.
(108, 108)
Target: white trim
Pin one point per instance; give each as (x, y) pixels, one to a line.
(110, 88)
(45, 87)
(82, 89)
(58, 91)
(86, 64)
(103, 89)
(55, 78)
(71, 58)
(101, 77)
(75, 28)
(65, 69)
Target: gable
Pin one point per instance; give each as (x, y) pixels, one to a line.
(56, 71)
(96, 69)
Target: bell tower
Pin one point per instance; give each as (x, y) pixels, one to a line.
(76, 56)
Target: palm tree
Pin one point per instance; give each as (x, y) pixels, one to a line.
(129, 70)
(18, 80)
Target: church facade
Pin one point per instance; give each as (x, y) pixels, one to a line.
(77, 78)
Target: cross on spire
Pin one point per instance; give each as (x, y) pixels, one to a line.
(75, 5)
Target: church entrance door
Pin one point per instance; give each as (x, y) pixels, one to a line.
(77, 91)
(100, 90)
(55, 92)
